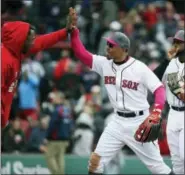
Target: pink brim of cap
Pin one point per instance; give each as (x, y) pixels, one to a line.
(171, 39)
(110, 41)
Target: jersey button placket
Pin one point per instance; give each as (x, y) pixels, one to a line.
(118, 88)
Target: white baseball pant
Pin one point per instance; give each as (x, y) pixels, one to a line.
(175, 137)
(119, 132)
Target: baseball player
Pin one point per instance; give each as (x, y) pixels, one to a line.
(127, 81)
(174, 82)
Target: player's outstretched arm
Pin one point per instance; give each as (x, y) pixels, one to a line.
(46, 41)
(79, 49)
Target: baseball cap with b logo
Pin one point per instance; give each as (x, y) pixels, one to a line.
(119, 39)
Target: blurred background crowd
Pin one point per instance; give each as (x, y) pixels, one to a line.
(55, 86)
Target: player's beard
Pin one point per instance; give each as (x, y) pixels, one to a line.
(181, 55)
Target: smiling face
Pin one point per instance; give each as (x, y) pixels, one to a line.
(177, 49)
(115, 52)
(179, 45)
(117, 46)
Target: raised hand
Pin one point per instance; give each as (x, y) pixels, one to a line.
(71, 19)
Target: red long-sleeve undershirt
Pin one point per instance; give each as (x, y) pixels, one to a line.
(47, 41)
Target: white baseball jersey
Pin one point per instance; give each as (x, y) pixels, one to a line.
(127, 84)
(175, 66)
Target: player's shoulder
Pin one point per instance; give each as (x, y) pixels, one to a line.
(100, 57)
(172, 64)
(172, 61)
(140, 68)
(139, 64)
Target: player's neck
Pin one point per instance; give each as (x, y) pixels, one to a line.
(122, 60)
(182, 59)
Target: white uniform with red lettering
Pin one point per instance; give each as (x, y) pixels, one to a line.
(175, 125)
(127, 85)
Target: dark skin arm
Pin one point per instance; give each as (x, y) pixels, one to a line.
(159, 71)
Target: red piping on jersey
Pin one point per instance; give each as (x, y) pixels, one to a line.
(79, 49)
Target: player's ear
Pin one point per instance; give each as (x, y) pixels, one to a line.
(125, 50)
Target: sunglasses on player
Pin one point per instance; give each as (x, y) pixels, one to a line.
(110, 45)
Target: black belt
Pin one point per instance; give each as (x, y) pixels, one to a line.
(130, 114)
(178, 108)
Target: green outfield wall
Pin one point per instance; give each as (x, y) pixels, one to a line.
(36, 164)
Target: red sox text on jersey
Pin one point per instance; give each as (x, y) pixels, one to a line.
(125, 83)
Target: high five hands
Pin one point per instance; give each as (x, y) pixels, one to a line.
(71, 19)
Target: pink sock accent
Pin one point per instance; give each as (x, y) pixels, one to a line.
(160, 97)
(79, 49)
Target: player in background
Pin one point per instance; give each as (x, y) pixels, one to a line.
(18, 41)
(173, 79)
(126, 80)
(159, 71)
